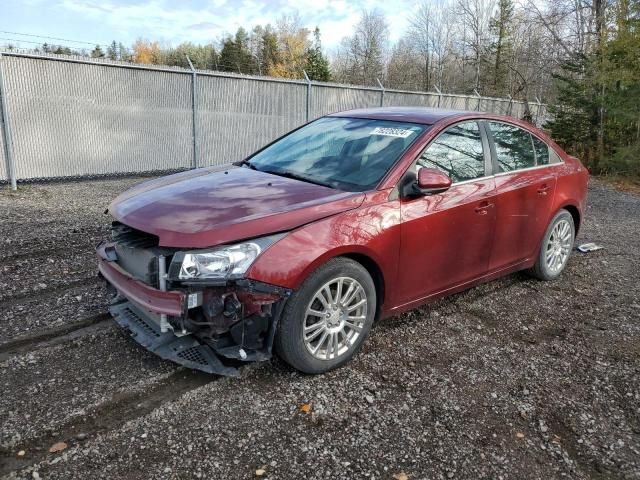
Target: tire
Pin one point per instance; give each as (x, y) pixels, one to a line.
(557, 240)
(355, 324)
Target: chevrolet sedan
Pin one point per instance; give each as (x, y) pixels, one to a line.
(354, 217)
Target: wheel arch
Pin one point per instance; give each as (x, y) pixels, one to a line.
(376, 275)
(575, 213)
(361, 256)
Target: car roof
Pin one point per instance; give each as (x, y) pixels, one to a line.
(424, 115)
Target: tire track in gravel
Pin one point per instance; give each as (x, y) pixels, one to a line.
(81, 249)
(29, 317)
(55, 336)
(46, 293)
(122, 408)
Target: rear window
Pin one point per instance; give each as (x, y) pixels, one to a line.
(542, 151)
(514, 148)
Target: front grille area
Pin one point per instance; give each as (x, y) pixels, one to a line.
(137, 252)
(130, 237)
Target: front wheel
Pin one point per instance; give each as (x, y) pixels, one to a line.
(556, 247)
(326, 321)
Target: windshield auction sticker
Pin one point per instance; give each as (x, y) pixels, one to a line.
(391, 132)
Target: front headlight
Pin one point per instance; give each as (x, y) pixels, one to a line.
(220, 263)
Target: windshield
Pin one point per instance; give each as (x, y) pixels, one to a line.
(346, 153)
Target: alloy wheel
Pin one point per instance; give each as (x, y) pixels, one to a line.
(335, 318)
(559, 246)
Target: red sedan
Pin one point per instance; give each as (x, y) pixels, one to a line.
(354, 217)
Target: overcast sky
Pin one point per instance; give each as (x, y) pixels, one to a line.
(172, 22)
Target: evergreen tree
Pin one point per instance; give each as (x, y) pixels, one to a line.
(501, 28)
(270, 50)
(575, 111)
(97, 52)
(235, 55)
(595, 116)
(124, 53)
(316, 65)
(112, 51)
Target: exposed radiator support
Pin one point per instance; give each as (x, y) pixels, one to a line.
(162, 280)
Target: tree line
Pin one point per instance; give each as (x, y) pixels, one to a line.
(284, 50)
(582, 57)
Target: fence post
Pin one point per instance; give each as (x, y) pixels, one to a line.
(510, 107)
(479, 98)
(539, 107)
(194, 114)
(6, 130)
(381, 92)
(439, 94)
(308, 104)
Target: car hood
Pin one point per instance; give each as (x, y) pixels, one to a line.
(211, 206)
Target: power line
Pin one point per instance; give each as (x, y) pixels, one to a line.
(20, 40)
(49, 38)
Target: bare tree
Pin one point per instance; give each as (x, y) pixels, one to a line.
(475, 15)
(404, 70)
(421, 34)
(361, 57)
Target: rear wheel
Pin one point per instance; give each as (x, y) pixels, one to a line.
(326, 321)
(556, 247)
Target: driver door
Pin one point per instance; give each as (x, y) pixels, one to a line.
(446, 238)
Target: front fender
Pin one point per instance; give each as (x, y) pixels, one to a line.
(371, 230)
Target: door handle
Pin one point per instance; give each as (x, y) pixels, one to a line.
(483, 208)
(543, 189)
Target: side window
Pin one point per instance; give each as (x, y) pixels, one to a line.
(553, 157)
(514, 148)
(457, 152)
(542, 151)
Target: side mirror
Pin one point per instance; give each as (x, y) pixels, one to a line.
(431, 181)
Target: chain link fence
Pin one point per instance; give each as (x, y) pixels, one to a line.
(73, 117)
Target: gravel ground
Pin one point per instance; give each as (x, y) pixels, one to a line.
(513, 379)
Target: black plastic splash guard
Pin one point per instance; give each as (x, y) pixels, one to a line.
(186, 350)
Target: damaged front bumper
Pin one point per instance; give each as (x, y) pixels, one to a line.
(213, 328)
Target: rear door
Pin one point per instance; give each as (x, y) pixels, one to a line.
(525, 185)
(446, 238)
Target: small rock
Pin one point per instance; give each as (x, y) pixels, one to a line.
(81, 436)
(167, 470)
(260, 472)
(57, 447)
(369, 398)
(22, 453)
(35, 475)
